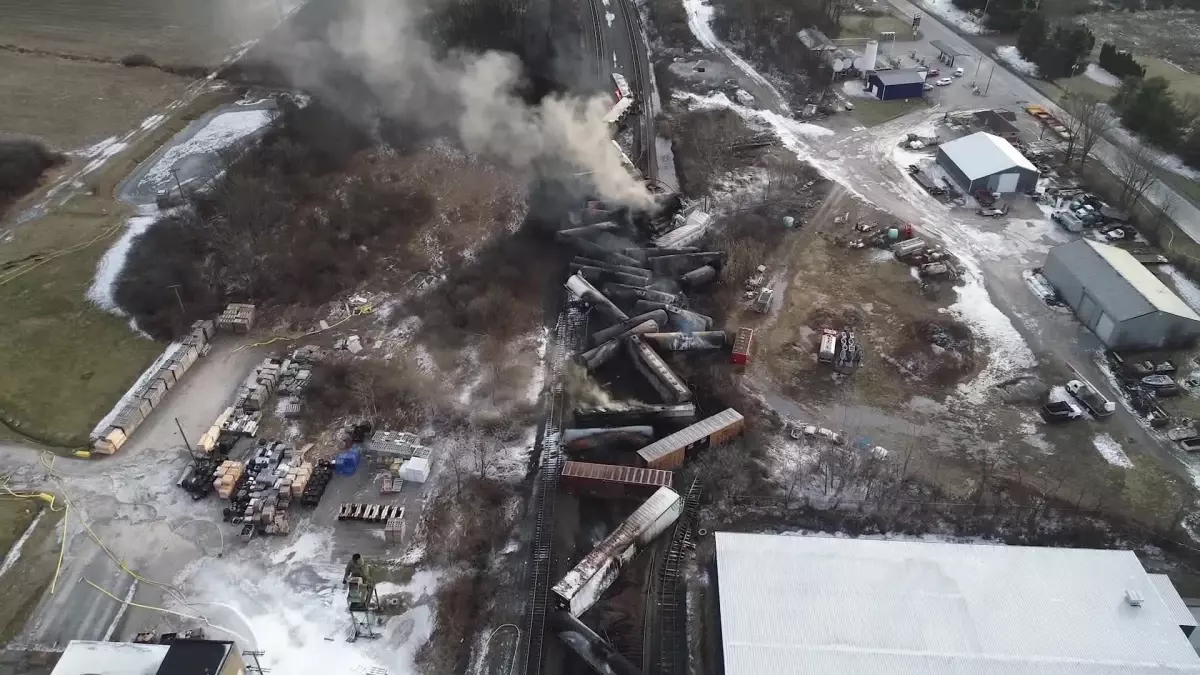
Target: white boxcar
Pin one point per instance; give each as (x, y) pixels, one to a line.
(582, 586)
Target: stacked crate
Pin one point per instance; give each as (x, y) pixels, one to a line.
(237, 317)
(227, 476)
(298, 478)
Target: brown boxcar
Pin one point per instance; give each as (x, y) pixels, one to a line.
(741, 346)
(669, 452)
(612, 481)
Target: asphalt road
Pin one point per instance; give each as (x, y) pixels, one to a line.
(1183, 211)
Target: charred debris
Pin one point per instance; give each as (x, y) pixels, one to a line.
(638, 297)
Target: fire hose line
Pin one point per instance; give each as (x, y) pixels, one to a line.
(4, 279)
(172, 590)
(365, 309)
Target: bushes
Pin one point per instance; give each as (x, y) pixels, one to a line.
(138, 61)
(279, 228)
(22, 163)
(1120, 63)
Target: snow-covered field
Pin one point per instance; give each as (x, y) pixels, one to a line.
(1187, 289)
(1010, 55)
(1097, 74)
(1007, 352)
(699, 13)
(948, 12)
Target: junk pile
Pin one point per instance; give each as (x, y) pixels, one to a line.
(400, 456)
(261, 494)
(153, 386)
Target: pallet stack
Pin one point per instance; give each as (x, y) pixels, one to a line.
(237, 317)
(151, 390)
(297, 479)
(227, 476)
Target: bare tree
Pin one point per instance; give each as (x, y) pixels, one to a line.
(1088, 119)
(1135, 168)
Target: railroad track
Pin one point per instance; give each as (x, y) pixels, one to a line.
(597, 30)
(568, 333)
(641, 84)
(669, 610)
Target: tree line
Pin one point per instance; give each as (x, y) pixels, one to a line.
(1058, 51)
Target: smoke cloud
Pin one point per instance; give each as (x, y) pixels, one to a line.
(473, 97)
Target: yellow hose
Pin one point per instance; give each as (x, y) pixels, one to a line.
(365, 309)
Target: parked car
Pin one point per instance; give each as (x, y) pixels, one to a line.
(933, 72)
(1094, 401)
(985, 197)
(958, 72)
(993, 211)
(944, 82)
(927, 87)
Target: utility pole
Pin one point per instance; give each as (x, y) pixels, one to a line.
(178, 184)
(989, 82)
(185, 441)
(175, 287)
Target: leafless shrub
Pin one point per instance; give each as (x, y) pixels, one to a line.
(138, 60)
(458, 605)
(22, 163)
(390, 394)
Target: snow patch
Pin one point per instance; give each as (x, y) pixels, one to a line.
(108, 272)
(1010, 55)
(1187, 289)
(221, 132)
(1097, 74)
(610, 17)
(1111, 451)
(700, 13)
(948, 12)
(855, 88)
(152, 121)
(1007, 352)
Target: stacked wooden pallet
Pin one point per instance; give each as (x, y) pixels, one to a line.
(371, 513)
(237, 317)
(227, 476)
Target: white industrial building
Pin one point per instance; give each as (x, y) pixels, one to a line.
(983, 161)
(1121, 301)
(807, 605)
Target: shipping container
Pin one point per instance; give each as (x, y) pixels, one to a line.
(610, 481)
(742, 346)
(669, 452)
(582, 586)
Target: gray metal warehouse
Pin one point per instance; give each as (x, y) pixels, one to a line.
(982, 161)
(1121, 301)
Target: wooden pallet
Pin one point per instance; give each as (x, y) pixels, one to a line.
(371, 513)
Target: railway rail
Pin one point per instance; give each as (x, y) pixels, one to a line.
(642, 85)
(670, 605)
(569, 332)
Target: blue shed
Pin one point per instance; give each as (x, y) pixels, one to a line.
(889, 85)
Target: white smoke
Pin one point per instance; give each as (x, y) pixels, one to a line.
(474, 95)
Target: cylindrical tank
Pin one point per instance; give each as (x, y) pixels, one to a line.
(699, 277)
(580, 261)
(657, 317)
(593, 250)
(597, 275)
(870, 56)
(598, 356)
(579, 286)
(624, 292)
(584, 230)
(581, 440)
(686, 342)
(685, 262)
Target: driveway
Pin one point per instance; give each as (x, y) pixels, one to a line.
(1007, 87)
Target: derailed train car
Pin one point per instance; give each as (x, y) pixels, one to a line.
(668, 453)
(583, 585)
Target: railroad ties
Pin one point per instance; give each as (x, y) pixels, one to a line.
(570, 335)
(672, 652)
(370, 513)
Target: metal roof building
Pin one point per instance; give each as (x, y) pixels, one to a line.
(1121, 301)
(982, 161)
(889, 85)
(800, 605)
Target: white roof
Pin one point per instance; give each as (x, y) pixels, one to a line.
(84, 657)
(1174, 601)
(982, 154)
(1149, 286)
(793, 605)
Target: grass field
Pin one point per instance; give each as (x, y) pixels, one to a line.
(862, 26)
(871, 111)
(170, 31)
(66, 362)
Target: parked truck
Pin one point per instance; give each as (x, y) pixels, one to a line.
(1091, 398)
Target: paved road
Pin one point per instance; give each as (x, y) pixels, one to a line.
(132, 504)
(1184, 212)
